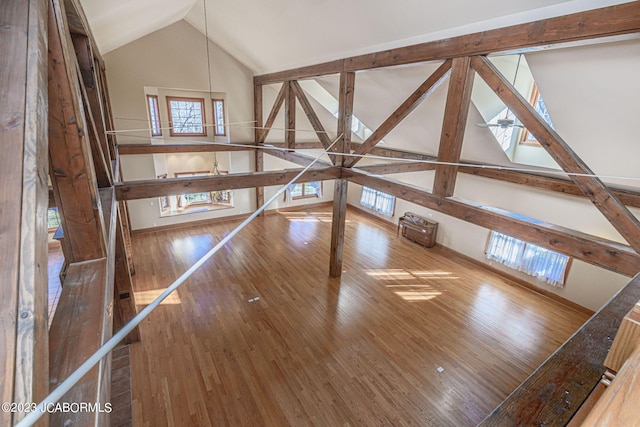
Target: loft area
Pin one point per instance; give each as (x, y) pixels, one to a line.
(188, 157)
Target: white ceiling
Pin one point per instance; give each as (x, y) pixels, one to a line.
(271, 35)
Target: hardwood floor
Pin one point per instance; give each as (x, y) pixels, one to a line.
(260, 335)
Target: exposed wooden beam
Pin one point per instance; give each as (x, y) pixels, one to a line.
(258, 155)
(289, 116)
(94, 106)
(557, 389)
(131, 190)
(617, 214)
(345, 115)
(397, 167)
(297, 158)
(311, 114)
(610, 21)
(274, 113)
(591, 249)
(23, 204)
(562, 185)
(69, 152)
(128, 149)
(124, 297)
(455, 120)
(411, 103)
(338, 226)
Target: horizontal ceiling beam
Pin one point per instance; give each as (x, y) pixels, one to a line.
(609, 21)
(126, 149)
(628, 197)
(591, 249)
(132, 190)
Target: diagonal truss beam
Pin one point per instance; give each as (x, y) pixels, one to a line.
(455, 120)
(420, 94)
(311, 114)
(592, 187)
(274, 113)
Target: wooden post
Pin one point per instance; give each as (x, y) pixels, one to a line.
(23, 205)
(338, 227)
(259, 155)
(338, 224)
(345, 115)
(455, 120)
(290, 115)
(71, 165)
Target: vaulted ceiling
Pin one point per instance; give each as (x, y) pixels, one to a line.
(270, 35)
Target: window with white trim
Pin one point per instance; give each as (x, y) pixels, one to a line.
(306, 190)
(218, 118)
(154, 115)
(542, 263)
(378, 201)
(187, 116)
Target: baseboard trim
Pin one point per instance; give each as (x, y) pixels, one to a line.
(518, 281)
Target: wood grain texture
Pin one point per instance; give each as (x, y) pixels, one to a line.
(557, 389)
(429, 86)
(27, 316)
(591, 249)
(454, 123)
(618, 405)
(77, 331)
(277, 104)
(338, 226)
(627, 340)
(128, 149)
(360, 350)
(69, 151)
(311, 114)
(13, 49)
(608, 204)
(588, 25)
(131, 190)
(345, 116)
(289, 116)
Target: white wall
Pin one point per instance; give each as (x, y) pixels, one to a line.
(171, 59)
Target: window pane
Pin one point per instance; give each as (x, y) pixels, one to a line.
(296, 190)
(531, 259)
(218, 113)
(187, 116)
(378, 201)
(154, 115)
(53, 221)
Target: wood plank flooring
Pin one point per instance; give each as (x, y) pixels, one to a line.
(407, 336)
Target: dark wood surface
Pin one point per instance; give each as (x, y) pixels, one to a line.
(277, 104)
(345, 116)
(360, 350)
(289, 116)
(311, 114)
(557, 389)
(132, 190)
(71, 167)
(127, 149)
(454, 123)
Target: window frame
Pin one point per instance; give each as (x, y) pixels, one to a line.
(172, 131)
(193, 174)
(303, 194)
(216, 123)
(526, 138)
(156, 125)
(524, 249)
(374, 207)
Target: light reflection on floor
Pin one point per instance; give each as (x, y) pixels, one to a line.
(420, 288)
(147, 297)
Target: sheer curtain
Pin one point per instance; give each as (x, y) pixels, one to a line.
(533, 260)
(378, 201)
